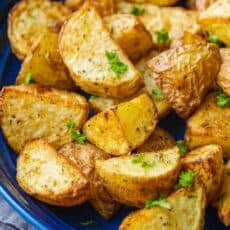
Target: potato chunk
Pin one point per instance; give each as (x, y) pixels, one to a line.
(28, 20)
(199, 4)
(209, 125)
(187, 213)
(32, 112)
(105, 70)
(207, 162)
(84, 158)
(136, 178)
(45, 64)
(185, 74)
(50, 177)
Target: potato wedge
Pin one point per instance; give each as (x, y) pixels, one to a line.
(200, 5)
(223, 78)
(223, 203)
(157, 2)
(215, 19)
(187, 213)
(121, 129)
(209, 125)
(105, 71)
(28, 20)
(207, 162)
(45, 65)
(50, 177)
(185, 74)
(84, 158)
(136, 178)
(130, 34)
(160, 139)
(32, 112)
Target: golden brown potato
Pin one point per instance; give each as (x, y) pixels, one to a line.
(209, 125)
(45, 64)
(199, 4)
(185, 74)
(121, 129)
(160, 139)
(84, 158)
(186, 213)
(157, 2)
(28, 20)
(32, 112)
(216, 20)
(207, 162)
(223, 78)
(130, 34)
(105, 70)
(136, 178)
(223, 203)
(50, 177)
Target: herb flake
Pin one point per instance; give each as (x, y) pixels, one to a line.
(163, 36)
(158, 94)
(214, 39)
(182, 148)
(147, 164)
(161, 201)
(88, 223)
(138, 159)
(137, 11)
(186, 179)
(28, 79)
(93, 97)
(228, 173)
(222, 99)
(70, 124)
(78, 137)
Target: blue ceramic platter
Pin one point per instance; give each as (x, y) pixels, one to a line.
(38, 214)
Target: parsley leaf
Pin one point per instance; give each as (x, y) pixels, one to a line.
(88, 223)
(186, 179)
(138, 159)
(147, 164)
(158, 94)
(92, 97)
(222, 99)
(214, 39)
(161, 201)
(137, 11)
(78, 137)
(70, 124)
(182, 148)
(116, 65)
(28, 79)
(163, 36)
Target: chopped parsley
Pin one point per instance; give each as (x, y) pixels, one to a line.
(116, 66)
(222, 99)
(158, 94)
(182, 148)
(78, 137)
(163, 36)
(28, 79)
(228, 173)
(214, 39)
(88, 223)
(146, 164)
(138, 159)
(70, 124)
(161, 201)
(92, 97)
(186, 179)
(137, 11)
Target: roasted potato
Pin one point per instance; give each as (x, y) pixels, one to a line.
(209, 125)
(45, 64)
(185, 74)
(157, 2)
(199, 4)
(160, 139)
(50, 177)
(28, 20)
(105, 71)
(216, 20)
(136, 178)
(121, 129)
(187, 213)
(223, 78)
(32, 112)
(207, 162)
(130, 34)
(84, 158)
(223, 203)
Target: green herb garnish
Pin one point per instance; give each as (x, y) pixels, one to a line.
(137, 11)
(138, 159)
(158, 94)
(146, 164)
(182, 148)
(163, 36)
(28, 79)
(78, 137)
(222, 99)
(186, 179)
(214, 39)
(228, 173)
(70, 124)
(92, 97)
(161, 201)
(116, 66)
(88, 223)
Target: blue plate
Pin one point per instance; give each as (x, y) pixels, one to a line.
(38, 214)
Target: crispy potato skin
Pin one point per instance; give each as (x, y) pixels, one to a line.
(187, 213)
(93, 74)
(24, 114)
(207, 161)
(200, 5)
(223, 78)
(185, 74)
(84, 158)
(157, 2)
(160, 139)
(64, 186)
(133, 184)
(209, 125)
(28, 20)
(46, 65)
